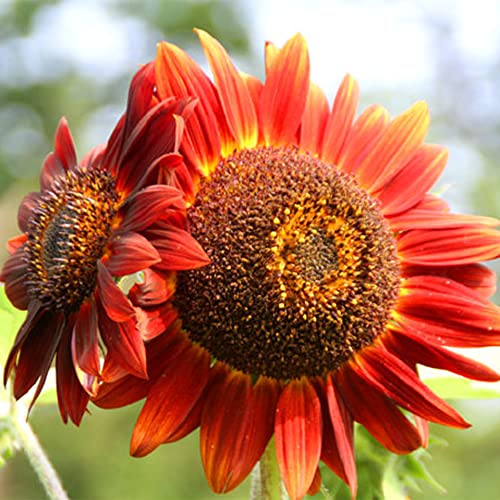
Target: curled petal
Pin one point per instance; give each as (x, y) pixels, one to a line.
(148, 205)
(124, 343)
(131, 253)
(30, 201)
(298, 431)
(117, 306)
(285, 91)
(155, 288)
(178, 249)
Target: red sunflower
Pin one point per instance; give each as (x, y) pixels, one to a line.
(82, 235)
(333, 274)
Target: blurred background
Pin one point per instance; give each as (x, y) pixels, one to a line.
(76, 57)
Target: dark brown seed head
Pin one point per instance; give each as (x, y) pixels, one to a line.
(304, 268)
(67, 235)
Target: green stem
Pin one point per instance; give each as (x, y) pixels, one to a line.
(266, 482)
(38, 460)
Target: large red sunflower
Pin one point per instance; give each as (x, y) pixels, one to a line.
(88, 229)
(333, 274)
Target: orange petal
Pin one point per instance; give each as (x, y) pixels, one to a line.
(171, 399)
(316, 483)
(408, 186)
(284, 95)
(395, 147)
(271, 52)
(341, 421)
(234, 95)
(449, 247)
(178, 75)
(298, 432)
(313, 120)
(236, 425)
(340, 120)
(392, 377)
(364, 133)
(381, 417)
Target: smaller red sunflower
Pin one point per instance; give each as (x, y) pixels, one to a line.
(90, 227)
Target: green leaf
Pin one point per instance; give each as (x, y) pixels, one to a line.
(10, 320)
(460, 388)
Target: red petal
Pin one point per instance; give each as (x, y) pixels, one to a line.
(316, 483)
(52, 168)
(343, 438)
(36, 354)
(71, 397)
(130, 389)
(236, 425)
(131, 253)
(389, 375)
(94, 157)
(362, 137)
(284, 95)
(64, 146)
(178, 75)
(182, 382)
(124, 343)
(313, 120)
(14, 274)
(153, 137)
(154, 289)
(434, 219)
(148, 205)
(450, 247)
(178, 249)
(154, 322)
(13, 244)
(117, 306)
(25, 211)
(234, 95)
(381, 417)
(445, 312)
(394, 148)
(415, 350)
(479, 278)
(35, 315)
(85, 341)
(298, 432)
(409, 185)
(340, 120)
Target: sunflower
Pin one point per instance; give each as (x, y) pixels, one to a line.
(83, 235)
(333, 274)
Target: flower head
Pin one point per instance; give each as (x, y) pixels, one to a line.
(333, 274)
(83, 236)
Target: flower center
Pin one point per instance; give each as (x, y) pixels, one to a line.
(304, 268)
(67, 235)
